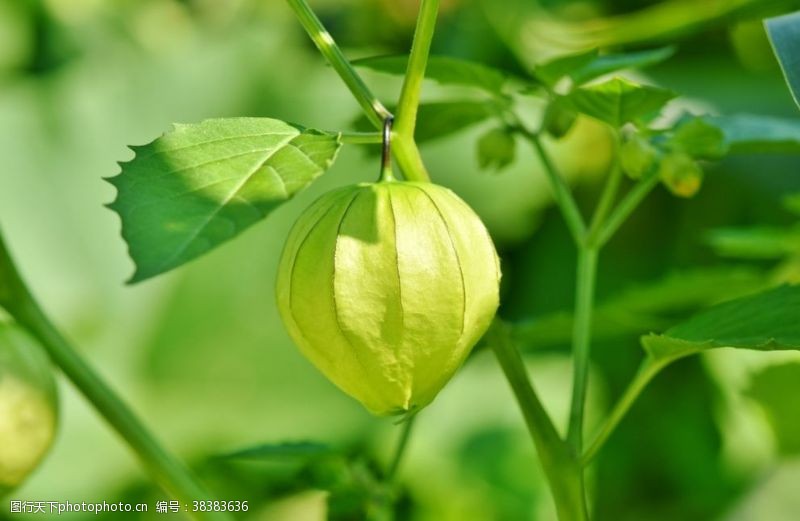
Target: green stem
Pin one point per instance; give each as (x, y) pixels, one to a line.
(563, 471)
(373, 108)
(167, 470)
(406, 151)
(400, 451)
(563, 194)
(606, 202)
(647, 371)
(581, 343)
(626, 207)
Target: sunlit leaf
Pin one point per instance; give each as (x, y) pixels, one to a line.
(749, 133)
(444, 70)
(198, 186)
(784, 33)
(755, 243)
(496, 149)
(619, 101)
(767, 321)
(775, 389)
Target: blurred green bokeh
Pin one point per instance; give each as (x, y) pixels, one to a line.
(201, 354)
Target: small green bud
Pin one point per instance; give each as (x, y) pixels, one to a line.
(28, 406)
(637, 156)
(496, 149)
(386, 288)
(559, 118)
(681, 174)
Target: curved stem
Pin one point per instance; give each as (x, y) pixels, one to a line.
(647, 371)
(581, 344)
(373, 108)
(362, 138)
(606, 202)
(400, 451)
(563, 471)
(561, 191)
(626, 207)
(167, 470)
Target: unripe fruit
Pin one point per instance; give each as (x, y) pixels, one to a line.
(386, 288)
(637, 156)
(681, 174)
(28, 406)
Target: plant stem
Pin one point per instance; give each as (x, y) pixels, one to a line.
(649, 369)
(581, 343)
(563, 194)
(373, 108)
(562, 469)
(606, 201)
(405, 149)
(626, 207)
(400, 451)
(167, 470)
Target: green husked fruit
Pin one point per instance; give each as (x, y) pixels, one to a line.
(28, 406)
(637, 156)
(386, 288)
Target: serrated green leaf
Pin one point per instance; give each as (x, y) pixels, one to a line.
(746, 133)
(755, 243)
(198, 186)
(767, 321)
(496, 149)
(619, 101)
(775, 388)
(784, 33)
(647, 306)
(606, 64)
(699, 138)
(444, 70)
(300, 450)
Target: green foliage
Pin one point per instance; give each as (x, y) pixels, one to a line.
(496, 149)
(201, 185)
(699, 138)
(300, 450)
(646, 306)
(587, 66)
(784, 32)
(775, 388)
(619, 101)
(444, 70)
(765, 321)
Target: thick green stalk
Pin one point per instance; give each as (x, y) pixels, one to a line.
(647, 371)
(581, 343)
(405, 149)
(167, 470)
(563, 471)
(373, 108)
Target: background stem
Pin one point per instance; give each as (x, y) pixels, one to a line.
(649, 369)
(167, 470)
(584, 302)
(626, 207)
(564, 473)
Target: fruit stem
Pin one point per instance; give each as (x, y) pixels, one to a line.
(386, 150)
(402, 446)
(167, 470)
